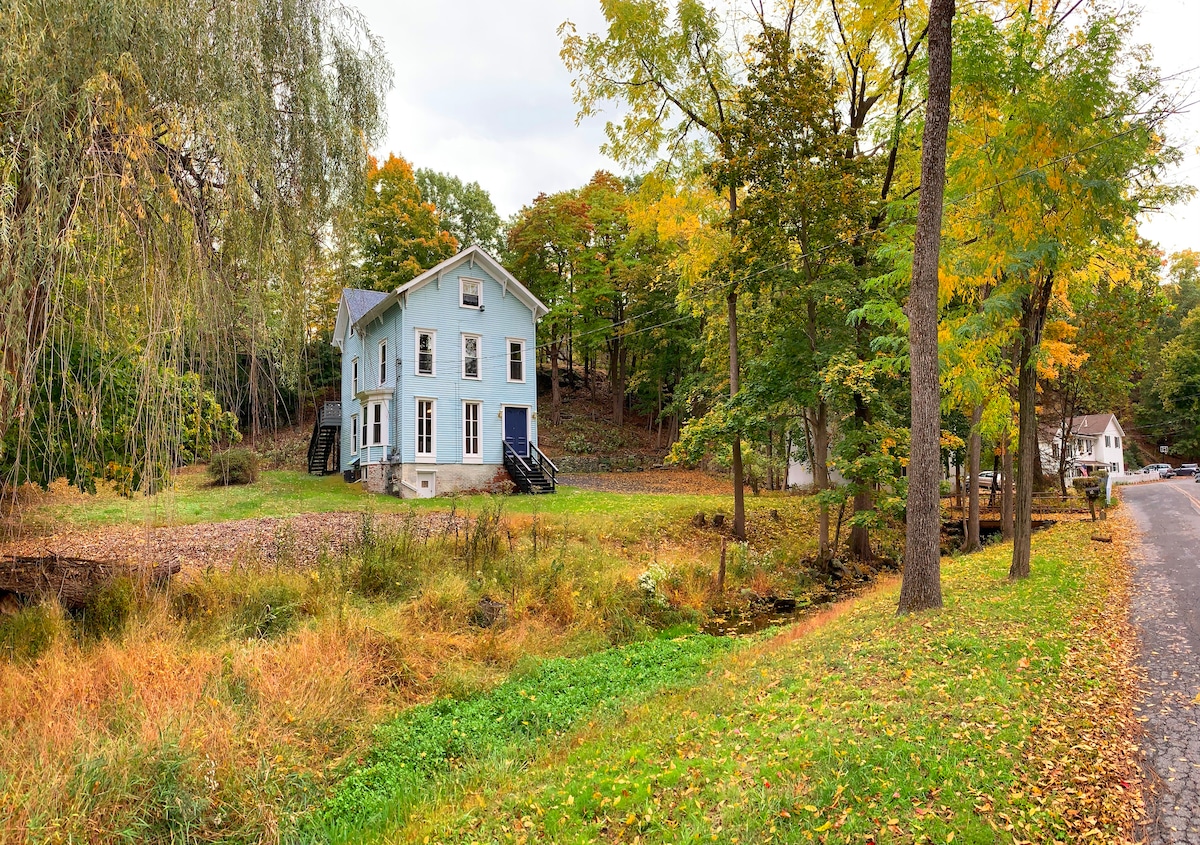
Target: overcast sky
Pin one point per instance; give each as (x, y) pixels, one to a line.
(480, 92)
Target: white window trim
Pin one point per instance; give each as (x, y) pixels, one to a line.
(478, 357)
(422, 457)
(476, 458)
(508, 341)
(383, 422)
(417, 352)
(462, 280)
(383, 367)
(354, 432)
(354, 376)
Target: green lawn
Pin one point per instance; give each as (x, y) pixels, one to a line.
(994, 720)
(286, 493)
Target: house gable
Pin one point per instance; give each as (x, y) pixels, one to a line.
(353, 304)
(471, 262)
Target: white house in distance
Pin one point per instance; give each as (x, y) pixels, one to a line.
(1095, 444)
(439, 391)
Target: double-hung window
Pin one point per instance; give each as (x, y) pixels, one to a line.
(471, 415)
(1107, 441)
(426, 343)
(354, 377)
(382, 362)
(426, 439)
(516, 360)
(354, 432)
(377, 424)
(470, 356)
(470, 293)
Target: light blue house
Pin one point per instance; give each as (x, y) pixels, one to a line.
(439, 389)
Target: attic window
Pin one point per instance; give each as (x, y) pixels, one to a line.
(472, 292)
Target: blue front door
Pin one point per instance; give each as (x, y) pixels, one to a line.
(516, 430)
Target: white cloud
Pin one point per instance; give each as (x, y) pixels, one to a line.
(481, 93)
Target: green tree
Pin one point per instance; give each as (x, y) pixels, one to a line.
(801, 196)
(465, 209)
(166, 173)
(399, 234)
(1057, 149)
(675, 74)
(1178, 385)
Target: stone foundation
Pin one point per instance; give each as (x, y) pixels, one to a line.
(404, 480)
(447, 478)
(376, 477)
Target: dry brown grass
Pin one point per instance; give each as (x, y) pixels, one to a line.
(191, 727)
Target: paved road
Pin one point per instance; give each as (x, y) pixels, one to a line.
(1166, 610)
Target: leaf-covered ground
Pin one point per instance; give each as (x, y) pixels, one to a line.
(1003, 718)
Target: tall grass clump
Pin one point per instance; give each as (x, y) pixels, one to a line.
(247, 602)
(388, 562)
(108, 612)
(27, 634)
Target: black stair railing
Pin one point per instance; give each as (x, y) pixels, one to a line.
(539, 459)
(534, 473)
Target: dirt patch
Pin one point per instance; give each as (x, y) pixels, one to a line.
(679, 481)
(295, 540)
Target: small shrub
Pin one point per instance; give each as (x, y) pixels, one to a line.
(108, 611)
(28, 634)
(233, 466)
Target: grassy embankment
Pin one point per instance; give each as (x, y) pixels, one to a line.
(227, 709)
(1003, 718)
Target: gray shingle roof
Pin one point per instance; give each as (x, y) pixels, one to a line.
(359, 302)
(1092, 424)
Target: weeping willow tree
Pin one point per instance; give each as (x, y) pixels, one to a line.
(170, 171)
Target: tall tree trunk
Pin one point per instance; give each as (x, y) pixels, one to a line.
(819, 459)
(1006, 489)
(1033, 320)
(860, 535)
(922, 584)
(974, 447)
(555, 387)
(770, 459)
(1066, 425)
(617, 372)
(739, 476)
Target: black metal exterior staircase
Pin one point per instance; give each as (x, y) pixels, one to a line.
(534, 474)
(325, 445)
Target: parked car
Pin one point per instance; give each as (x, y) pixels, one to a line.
(1187, 469)
(1154, 469)
(986, 476)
